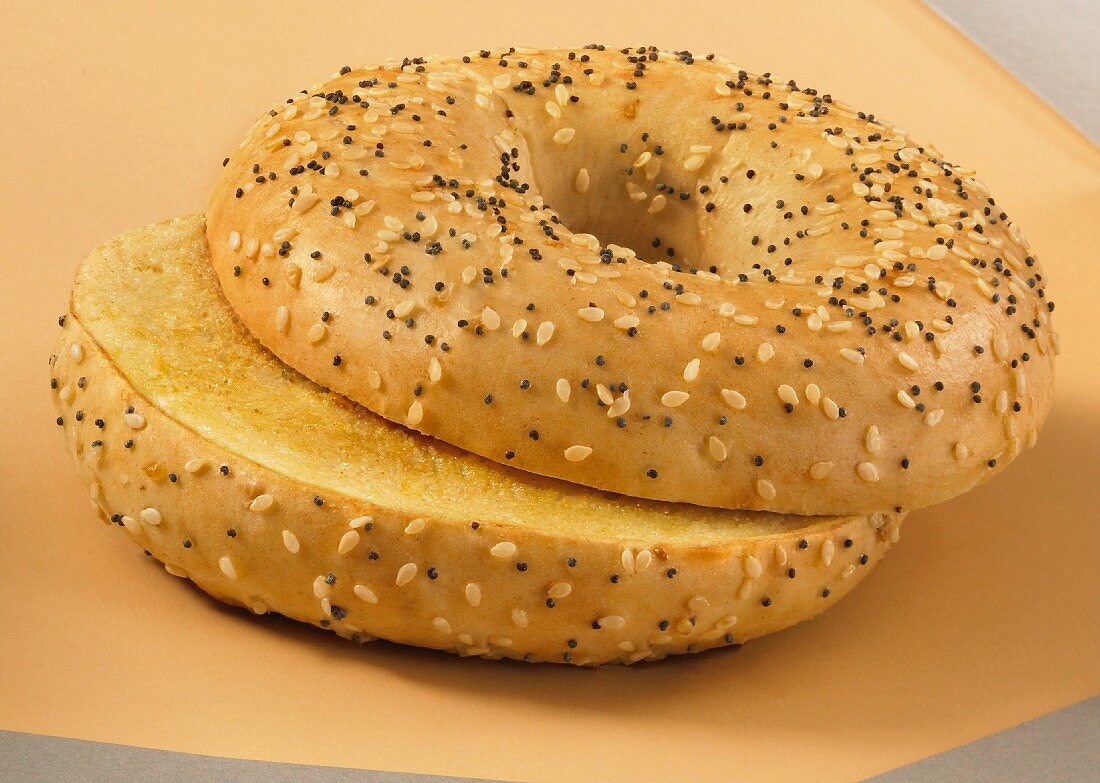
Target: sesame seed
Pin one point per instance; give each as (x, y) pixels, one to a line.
(490, 319)
(559, 590)
(765, 489)
(282, 319)
(544, 333)
(365, 593)
(261, 503)
(227, 567)
(562, 389)
(734, 399)
(473, 594)
(907, 361)
(581, 181)
(564, 135)
(348, 542)
(695, 162)
(405, 574)
(674, 399)
(577, 453)
(873, 440)
(867, 471)
(855, 357)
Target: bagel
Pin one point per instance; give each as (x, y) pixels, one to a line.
(641, 272)
(273, 493)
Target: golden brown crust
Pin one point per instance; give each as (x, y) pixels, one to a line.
(875, 332)
(216, 513)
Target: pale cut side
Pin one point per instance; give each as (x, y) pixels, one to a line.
(273, 493)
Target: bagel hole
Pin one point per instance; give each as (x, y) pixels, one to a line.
(672, 233)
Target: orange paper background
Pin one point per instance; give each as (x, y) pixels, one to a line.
(983, 616)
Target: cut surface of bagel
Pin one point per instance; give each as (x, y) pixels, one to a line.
(271, 492)
(642, 271)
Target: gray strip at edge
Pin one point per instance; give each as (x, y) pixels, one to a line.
(1040, 43)
(1061, 747)
(37, 758)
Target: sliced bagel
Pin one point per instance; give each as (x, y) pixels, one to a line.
(273, 493)
(470, 236)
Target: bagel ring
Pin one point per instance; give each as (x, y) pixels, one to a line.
(642, 272)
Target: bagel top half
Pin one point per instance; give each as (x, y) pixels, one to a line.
(643, 272)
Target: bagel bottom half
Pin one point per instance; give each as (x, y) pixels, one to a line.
(273, 493)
